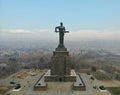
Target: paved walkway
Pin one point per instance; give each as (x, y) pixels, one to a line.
(57, 88)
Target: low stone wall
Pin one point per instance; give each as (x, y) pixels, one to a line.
(60, 78)
(79, 88)
(53, 78)
(40, 88)
(70, 78)
(50, 78)
(40, 85)
(79, 85)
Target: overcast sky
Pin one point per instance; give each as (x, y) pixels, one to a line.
(36, 19)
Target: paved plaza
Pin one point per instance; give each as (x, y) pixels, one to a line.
(56, 88)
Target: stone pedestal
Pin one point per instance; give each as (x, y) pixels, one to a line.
(60, 66)
(60, 62)
(60, 72)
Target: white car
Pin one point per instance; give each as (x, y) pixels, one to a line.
(17, 87)
(33, 74)
(102, 88)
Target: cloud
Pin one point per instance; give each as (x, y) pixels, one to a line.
(49, 34)
(44, 30)
(15, 31)
(94, 35)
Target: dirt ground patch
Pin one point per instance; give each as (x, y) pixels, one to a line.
(4, 89)
(22, 74)
(27, 72)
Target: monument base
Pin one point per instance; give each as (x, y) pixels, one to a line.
(75, 79)
(62, 78)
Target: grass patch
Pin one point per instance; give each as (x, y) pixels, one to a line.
(114, 90)
(100, 76)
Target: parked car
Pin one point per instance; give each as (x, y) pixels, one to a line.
(88, 74)
(12, 82)
(17, 87)
(92, 78)
(33, 74)
(102, 88)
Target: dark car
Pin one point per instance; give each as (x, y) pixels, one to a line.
(12, 82)
(102, 88)
(88, 74)
(92, 78)
(17, 86)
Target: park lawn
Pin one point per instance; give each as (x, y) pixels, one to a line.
(114, 90)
